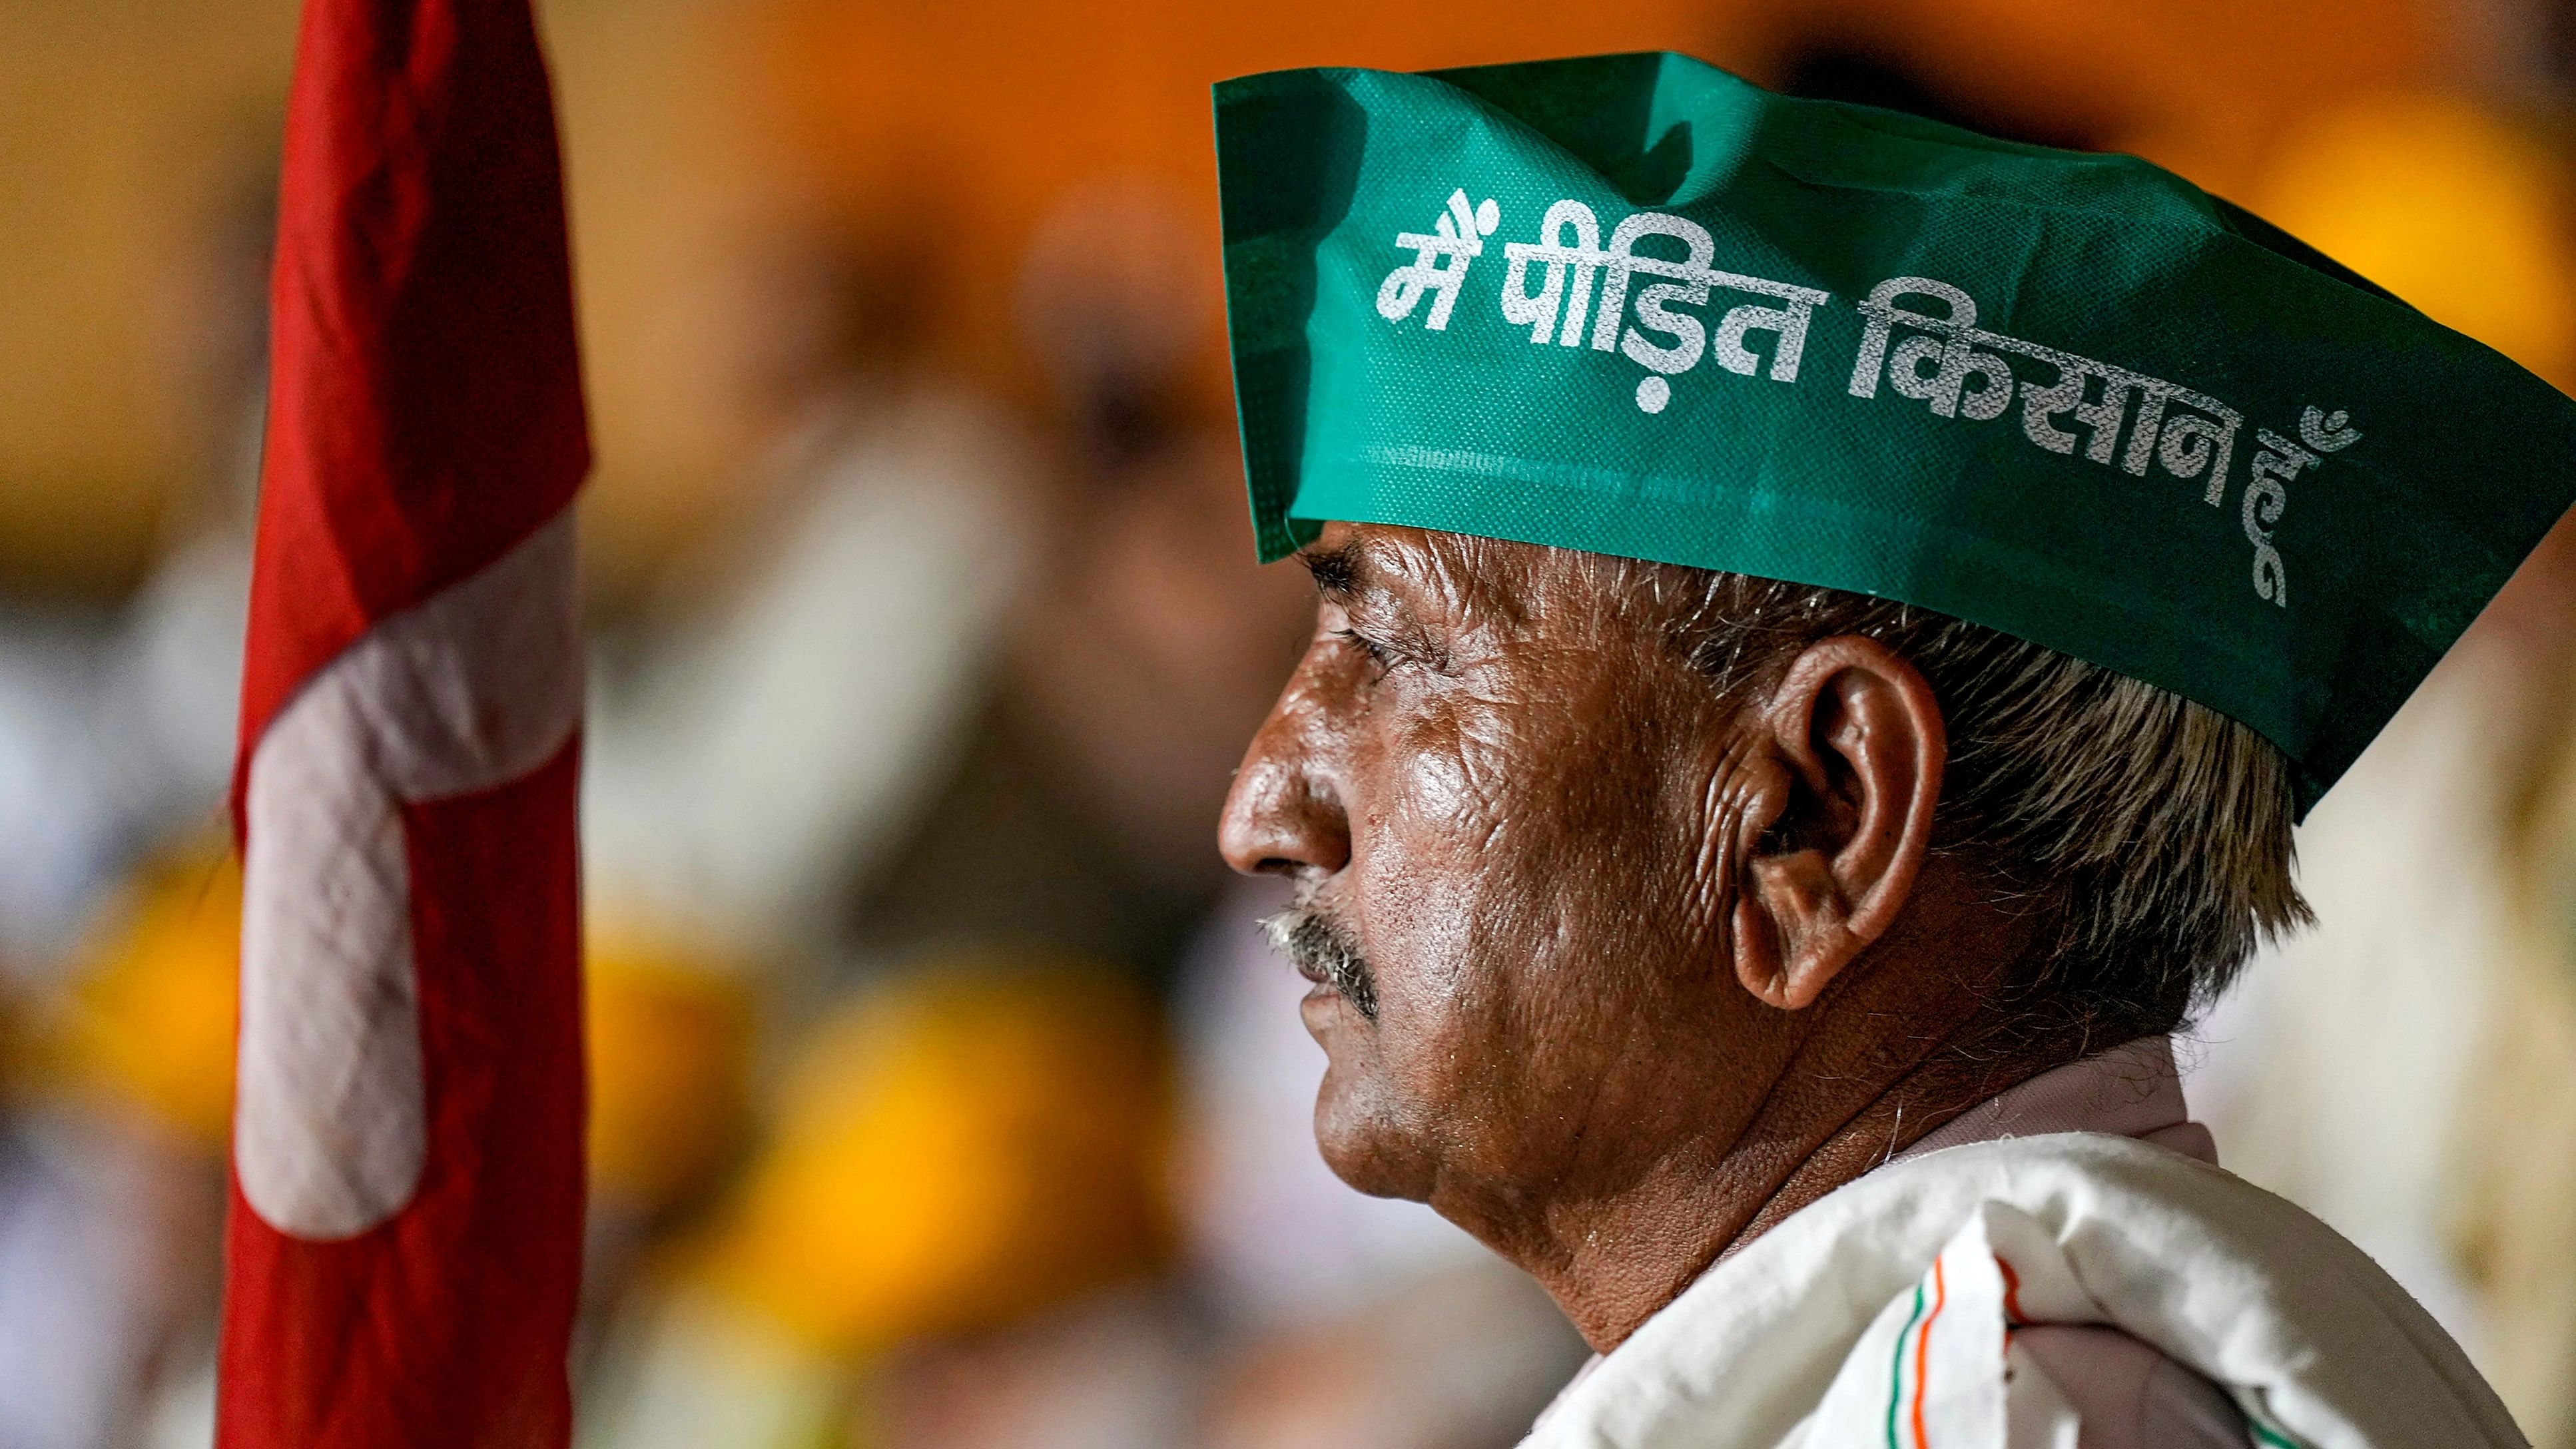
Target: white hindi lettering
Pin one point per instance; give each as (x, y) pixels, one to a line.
(2327, 432)
(1958, 351)
(2191, 434)
(2277, 460)
(1579, 261)
(1945, 361)
(1569, 248)
(1459, 236)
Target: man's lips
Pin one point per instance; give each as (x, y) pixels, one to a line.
(1322, 993)
(1329, 1015)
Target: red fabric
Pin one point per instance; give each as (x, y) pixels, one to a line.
(425, 404)
(448, 1326)
(425, 416)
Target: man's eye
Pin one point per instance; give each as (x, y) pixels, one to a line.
(1378, 654)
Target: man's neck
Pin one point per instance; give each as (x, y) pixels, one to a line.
(1834, 1115)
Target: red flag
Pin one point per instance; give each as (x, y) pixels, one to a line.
(404, 1247)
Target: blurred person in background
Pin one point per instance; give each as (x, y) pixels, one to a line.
(113, 1135)
(120, 910)
(670, 1025)
(116, 729)
(944, 1240)
(1066, 842)
(772, 722)
(779, 718)
(1075, 814)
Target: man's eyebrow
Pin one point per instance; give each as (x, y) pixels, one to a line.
(1336, 570)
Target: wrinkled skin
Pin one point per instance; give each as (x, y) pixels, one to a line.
(1651, 968)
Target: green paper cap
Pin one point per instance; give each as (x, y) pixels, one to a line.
(1637, 306)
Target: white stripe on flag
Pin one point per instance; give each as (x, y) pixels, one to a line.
(468, 690)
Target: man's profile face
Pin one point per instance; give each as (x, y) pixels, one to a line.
(1490, 778)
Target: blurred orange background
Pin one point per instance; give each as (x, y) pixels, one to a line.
(941, 133)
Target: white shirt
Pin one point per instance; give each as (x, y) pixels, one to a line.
(1897, 1309)
(2127, 1394)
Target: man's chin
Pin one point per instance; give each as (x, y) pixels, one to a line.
(1360, 1134)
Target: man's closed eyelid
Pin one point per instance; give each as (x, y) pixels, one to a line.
(1378, 651)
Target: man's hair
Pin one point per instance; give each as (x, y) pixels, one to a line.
(2145, 838)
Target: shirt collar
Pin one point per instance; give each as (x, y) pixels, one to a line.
(2132, 1090)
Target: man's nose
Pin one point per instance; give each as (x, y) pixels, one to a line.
(1284, 815)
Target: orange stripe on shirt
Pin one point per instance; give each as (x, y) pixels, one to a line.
(1923, 1352)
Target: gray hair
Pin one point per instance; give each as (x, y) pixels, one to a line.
(2145, 837)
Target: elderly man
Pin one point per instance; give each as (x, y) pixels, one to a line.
(1757, 825)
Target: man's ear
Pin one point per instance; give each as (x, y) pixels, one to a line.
(1839, 818)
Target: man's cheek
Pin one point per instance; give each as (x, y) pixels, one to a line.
(1430, 872)
(1417, 928)
(1438, 787)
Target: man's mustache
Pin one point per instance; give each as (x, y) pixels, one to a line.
(1325, 953)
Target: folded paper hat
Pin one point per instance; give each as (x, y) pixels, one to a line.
(1634, 305)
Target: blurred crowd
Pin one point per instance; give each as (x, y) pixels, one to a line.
(944, 1095)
